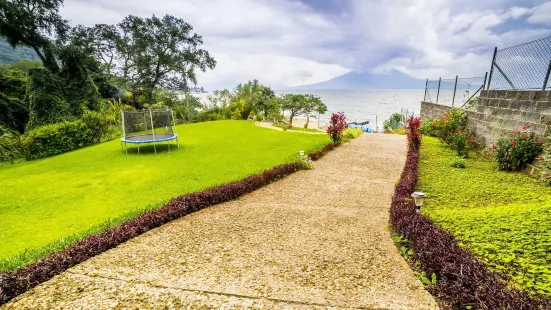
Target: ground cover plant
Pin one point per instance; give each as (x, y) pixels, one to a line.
(457, 278)
(503, 218)
(46, 204)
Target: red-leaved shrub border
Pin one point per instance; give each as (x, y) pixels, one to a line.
(462, 280)
(23, 279)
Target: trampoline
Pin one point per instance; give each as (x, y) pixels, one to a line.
(148, 126)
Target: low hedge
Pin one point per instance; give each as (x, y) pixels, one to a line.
(21, 280)
(463, 282)
(65, 136)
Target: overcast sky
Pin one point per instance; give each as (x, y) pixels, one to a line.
(292, 42)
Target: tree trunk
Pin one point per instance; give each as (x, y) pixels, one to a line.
(291, 119)
(307, 120)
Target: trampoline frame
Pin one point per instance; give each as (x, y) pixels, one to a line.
(125, 140)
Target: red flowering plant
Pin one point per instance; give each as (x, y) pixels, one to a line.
(337, 124)
(413, 134)
(513, 150)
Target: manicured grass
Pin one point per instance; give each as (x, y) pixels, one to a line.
(503, 218)
(49, 203)
(298, 128)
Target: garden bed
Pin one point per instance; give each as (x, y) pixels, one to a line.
(472, 205)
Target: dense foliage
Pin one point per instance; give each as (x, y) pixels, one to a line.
(351, 133)
(460, 280)
(506, 227)
(337, 125)
(393, 122)
(413, 134)
(514, 150)
(452, 129)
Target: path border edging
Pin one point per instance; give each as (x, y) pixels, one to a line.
(16, 282)
(462, 280)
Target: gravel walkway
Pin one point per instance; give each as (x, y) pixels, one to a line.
(317, 239)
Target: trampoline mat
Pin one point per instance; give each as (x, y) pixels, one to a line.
(149, 138)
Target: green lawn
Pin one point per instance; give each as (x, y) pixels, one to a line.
(48, 203)
(503, 218)
(298, 128)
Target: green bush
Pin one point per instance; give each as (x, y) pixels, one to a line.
(427, 127)
(452, 129)
(514, 150)
(351, 133)
(97, 124)
(58, 138)
(458, 163)
(12, 146)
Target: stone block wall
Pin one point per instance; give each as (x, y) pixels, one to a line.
(500, 110)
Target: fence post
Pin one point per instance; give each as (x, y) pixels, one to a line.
(485, 77)
(426, 86)
(492, 67)
(454, 89)
(438, 92)
(546, 76)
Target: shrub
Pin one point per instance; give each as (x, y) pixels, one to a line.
(58, 138)
(351, 133)
(260, 117)
(12, 146)
(412, 129)
(393, 122)
(514, 150)
(452, 129)
(337, 124)
(427, 127)
(305, 162)
(97, 124)
(458, 163)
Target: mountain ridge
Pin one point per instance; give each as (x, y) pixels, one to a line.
(365, 80)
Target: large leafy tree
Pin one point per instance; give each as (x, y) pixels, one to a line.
(294, 104)
(313, 104)
(32, 23)
(160, 52)
(255, 97)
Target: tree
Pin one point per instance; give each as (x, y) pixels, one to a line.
(23, 65)
(294, 103)
(160, 52)
(312, 103)
(100, 41)
(32, 23)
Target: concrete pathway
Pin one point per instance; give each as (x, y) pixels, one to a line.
(317, 239)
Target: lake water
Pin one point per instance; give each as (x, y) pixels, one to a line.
(366, 105)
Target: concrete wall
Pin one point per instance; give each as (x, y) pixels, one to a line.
(500, 110)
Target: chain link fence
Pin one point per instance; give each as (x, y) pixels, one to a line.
(454, 92)
(523, 66)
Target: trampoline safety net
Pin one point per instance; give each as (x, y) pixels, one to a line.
(147, 122)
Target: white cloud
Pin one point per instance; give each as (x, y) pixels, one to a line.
(435, 40)
(265, 40)
(286, 42)
(541, 14)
